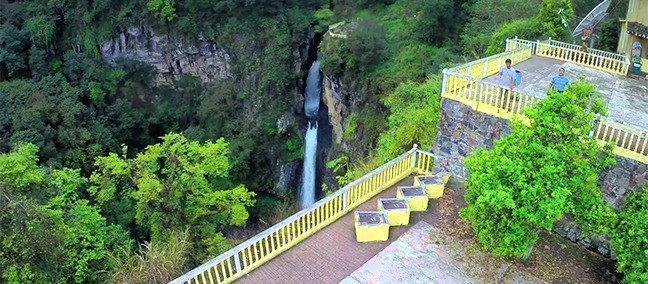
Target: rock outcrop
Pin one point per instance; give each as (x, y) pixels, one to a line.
(170, 54)
(337, 111)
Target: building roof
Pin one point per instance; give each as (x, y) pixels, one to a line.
(638, 29)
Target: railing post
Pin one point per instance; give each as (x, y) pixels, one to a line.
(344, 200)
(444, 85)
(414, 160)
(237, 263)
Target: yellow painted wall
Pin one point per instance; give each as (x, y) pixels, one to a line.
(638, 11)
(623, 37)
(644, 65)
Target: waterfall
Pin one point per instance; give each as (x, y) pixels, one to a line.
(311, 107)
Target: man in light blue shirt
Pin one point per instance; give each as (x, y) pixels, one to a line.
(560, 82)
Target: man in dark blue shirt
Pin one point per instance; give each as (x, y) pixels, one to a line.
(560, 82)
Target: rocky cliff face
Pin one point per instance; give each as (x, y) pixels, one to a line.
(170, 54)
(337, 110)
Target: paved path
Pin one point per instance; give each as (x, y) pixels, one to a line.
(418, 256)
(333, 253)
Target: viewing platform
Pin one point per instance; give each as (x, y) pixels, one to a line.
(626, 98)
(320, 244)
(477, 85)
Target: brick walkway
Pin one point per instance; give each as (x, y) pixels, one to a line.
(332, 254)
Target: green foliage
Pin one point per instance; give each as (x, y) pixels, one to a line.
(165, 9)
(41, 29)
(178, 184)
(414, 111)
(507, 202)
(294, 149)
(525, 29)
(550, 22)
(435, 21)
(49, 233)
(367, 45)
(609, 35)
(629, 238)
(12, 41)
(324, 17)
(486, 16)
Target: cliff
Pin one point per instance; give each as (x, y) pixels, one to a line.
(171, 55)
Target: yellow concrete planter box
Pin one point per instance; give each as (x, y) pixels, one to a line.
(371, 226)
(416, 197)
(433, 185)
(396, 210)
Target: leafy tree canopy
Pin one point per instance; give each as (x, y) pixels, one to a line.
(177, 184)
(49, 233)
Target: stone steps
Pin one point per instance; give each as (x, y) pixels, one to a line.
(372, 226)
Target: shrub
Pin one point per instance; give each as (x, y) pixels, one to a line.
(629, 238)
(538, 173)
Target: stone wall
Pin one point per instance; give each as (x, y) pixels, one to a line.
(462, 130)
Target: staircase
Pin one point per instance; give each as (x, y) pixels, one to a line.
(371, 226)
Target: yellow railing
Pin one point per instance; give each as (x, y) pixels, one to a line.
(500, 102)
(630, 142)
(593, 58)
(488, 66)
(598, 52)
(486, 97)
(334, 26)
(260, 249)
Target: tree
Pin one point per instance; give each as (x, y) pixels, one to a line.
(550, 22)
(367, 44)
(413, 108)
(485, 17)
(165, 9)
(609, 35)
(177, 184)
(525, 29)
(49, 234)
(12, 41)
(629, 238)
(436, 21)
(538, 173)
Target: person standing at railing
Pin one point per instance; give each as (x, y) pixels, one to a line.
(560, 82)
(507, 75)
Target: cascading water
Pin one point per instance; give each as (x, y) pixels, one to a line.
(311, 107)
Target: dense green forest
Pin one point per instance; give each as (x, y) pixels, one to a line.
(102, 169)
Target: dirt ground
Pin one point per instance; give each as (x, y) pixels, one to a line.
(554, 259)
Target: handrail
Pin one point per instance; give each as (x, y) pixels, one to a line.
(630, 142)
(599, 52)
(491, 99)
(594, 58)
(486, 97)
(276, 239)
(485, 67)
